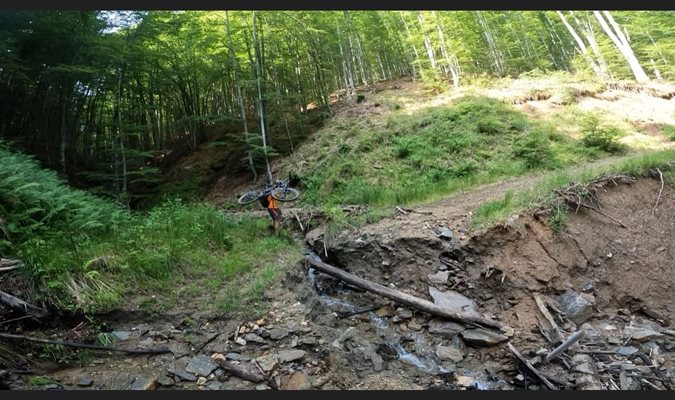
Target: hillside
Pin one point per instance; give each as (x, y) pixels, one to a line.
(361, 140)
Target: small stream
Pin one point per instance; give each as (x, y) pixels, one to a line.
(420, 353)
(422, 358)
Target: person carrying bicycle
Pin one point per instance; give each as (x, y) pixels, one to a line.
(270, 204)
(268, 198)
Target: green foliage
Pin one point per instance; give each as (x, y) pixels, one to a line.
(558, 219)
(105, 339)
(669, 131)
(535, 149)
(599, 134)
(436, 151)
(83, 252)
(41, 380)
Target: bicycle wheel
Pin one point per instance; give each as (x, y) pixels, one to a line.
(288, 194)
(248, 198)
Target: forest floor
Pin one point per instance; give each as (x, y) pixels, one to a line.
(607, 273)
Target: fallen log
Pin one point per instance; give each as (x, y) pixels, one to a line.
(18, 304)
(239, 372)
(404, 298)
(84, 345)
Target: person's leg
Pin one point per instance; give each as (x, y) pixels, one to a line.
(276, 218)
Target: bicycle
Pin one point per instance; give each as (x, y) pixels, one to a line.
(279, 191)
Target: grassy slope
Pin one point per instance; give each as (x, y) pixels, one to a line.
(84, 252)
(417, 149)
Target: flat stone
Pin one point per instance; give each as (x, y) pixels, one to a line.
(575, 307)
(144, 383)
(179, 349)
(201, 365)
(267, 362)
(642, 334)
(465, 381)
(218, 348)
(296, 381)
(262, 386)
(584, 364)
(588, 330)
(447, 353)
(278, 333)
(85, 381)
(440, 277)
(446, 233)
(237, 357)
(627, 350)
(53, 386)
(290, 355)
(215, 385)
(414, 326)
(446, 329)
(404, 313)
(121, 335)
(308, 341)
(178, 370)
(252, 337)
(453, 301)
(482, 337)
(165, 381)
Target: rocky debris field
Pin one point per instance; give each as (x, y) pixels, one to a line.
(590, 308)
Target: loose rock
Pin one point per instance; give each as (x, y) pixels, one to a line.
(237, 357)
(453, 301)
(85, 381)
(446, 329)
(252, 337)
(278, 333)
(482, 337)
(201, 365)
(575, 307)
(290, 355)
(267, 362)
(440, 277)
(297, 381)
(144, 383)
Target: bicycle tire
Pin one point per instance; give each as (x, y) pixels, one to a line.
(289, 195)
(248, 197)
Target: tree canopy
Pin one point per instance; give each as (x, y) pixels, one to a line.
(106, 92)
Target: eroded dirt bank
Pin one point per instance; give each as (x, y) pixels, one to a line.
(608, 274)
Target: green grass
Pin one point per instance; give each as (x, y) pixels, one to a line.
(435, 152)
(498, 211)
(41, 380)
(84, 252)
(669, 131)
